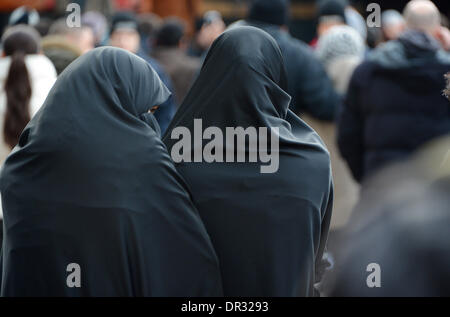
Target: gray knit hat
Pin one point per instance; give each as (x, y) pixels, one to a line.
(340, 41)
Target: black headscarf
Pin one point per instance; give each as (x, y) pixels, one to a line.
(91, 183)
(269, 230)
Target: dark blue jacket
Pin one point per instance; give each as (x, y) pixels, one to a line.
(394, 103)
(308, 83)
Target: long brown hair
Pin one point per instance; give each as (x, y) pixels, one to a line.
(18, 41)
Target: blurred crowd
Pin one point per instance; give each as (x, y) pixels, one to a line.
(373, 94)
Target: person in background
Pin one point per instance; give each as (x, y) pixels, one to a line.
(392, 25)
(208, 28)
(124, 34)
(43, 26)
(394, 104)
(8, 6)
(400, 227)
(330, 13)
(170, 52)
(26, 77)
(355, 20)
(82, 37)
(60, 51)
(148, 25)
(341, 50)
(24, 15)
(311, 90)
(98, 24)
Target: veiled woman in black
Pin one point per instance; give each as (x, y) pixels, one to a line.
(92, 203)
(268, 229)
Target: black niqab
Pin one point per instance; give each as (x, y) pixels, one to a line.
(91, 183)
(269, 230)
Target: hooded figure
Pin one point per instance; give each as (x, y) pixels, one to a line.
(269, 230)
(394, 104)
(92, 203)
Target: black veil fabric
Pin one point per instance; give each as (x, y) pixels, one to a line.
(91, 183)
(269, 230)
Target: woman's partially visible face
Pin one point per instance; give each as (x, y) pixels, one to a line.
(153, 109)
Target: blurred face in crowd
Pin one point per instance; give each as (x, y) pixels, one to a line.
(423, 15)
(153, 109)
(209, 33)
(392, 24)
(86, 40)
(327, 24)
(126, 39)
(83, 38)
(393, 31)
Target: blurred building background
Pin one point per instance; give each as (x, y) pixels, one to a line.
(303, 12)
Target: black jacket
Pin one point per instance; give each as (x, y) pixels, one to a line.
(394, 103)
(308, 83)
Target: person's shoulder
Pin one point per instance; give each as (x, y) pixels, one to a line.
(295, 43)
(443, 58)
(363, 71)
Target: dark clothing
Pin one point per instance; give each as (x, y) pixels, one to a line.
(91, 183)
(394, 104)
(269, 229)
(308, 83)
(166, 111)
(181, 68)
(1, 234)
(401, 224)
(269, 11)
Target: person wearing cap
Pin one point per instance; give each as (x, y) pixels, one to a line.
(308, 84)
(125, 35)
(330, 13)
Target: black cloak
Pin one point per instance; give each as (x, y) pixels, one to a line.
(91, 183)
(269, 230)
